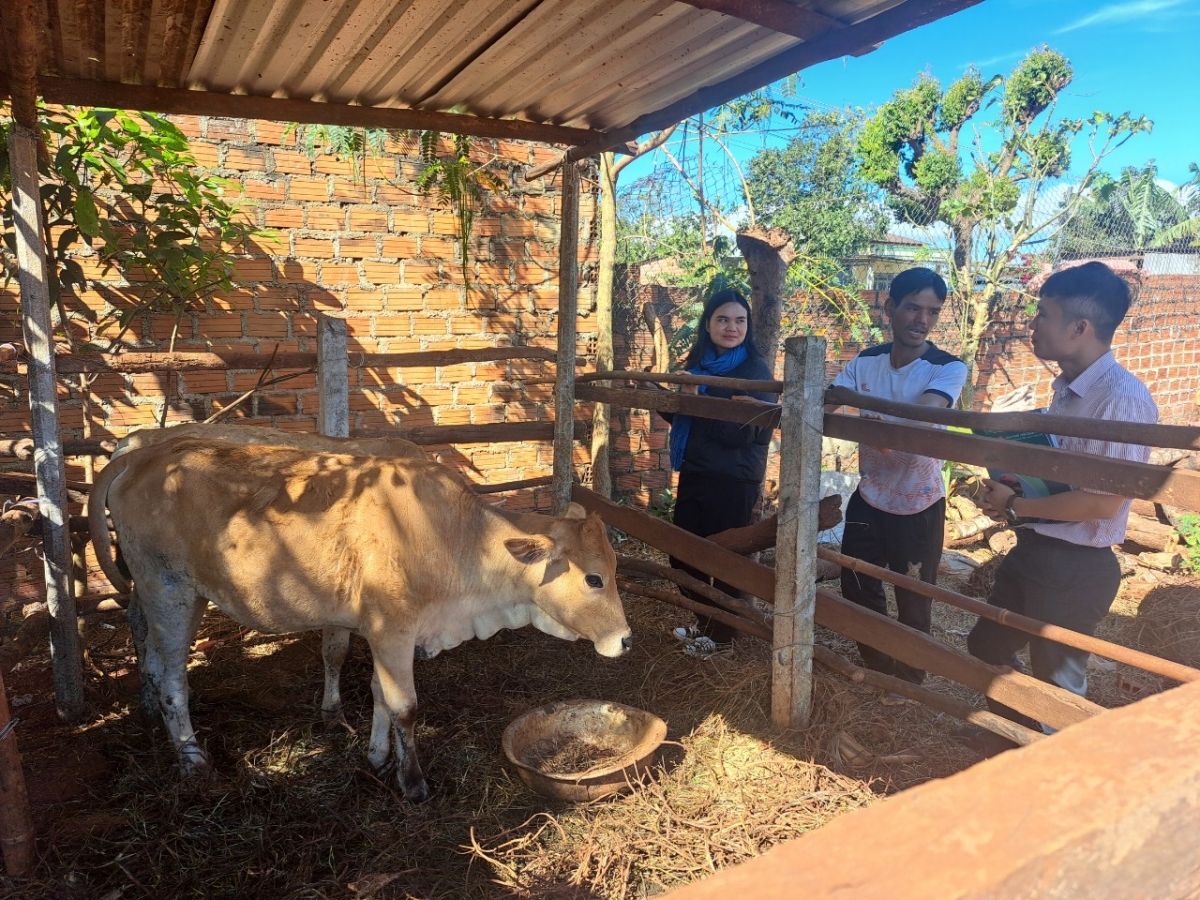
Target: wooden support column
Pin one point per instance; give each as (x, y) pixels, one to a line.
(568, 305)
(796, 543)
(48, 462)
(333, 377)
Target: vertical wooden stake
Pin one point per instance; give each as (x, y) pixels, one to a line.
(568, 304)
(796, 543)
(16, 823)
(333, 377)
(48, 463)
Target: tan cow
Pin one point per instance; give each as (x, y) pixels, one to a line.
(400, 551)
(335, 642)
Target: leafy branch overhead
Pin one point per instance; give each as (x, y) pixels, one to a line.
(127, 186)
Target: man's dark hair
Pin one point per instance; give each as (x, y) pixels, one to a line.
(703, 341)
(1091, 291)
(912, 281)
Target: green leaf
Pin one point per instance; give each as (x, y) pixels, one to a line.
(86, 216)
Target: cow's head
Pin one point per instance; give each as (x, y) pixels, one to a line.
(577, 589)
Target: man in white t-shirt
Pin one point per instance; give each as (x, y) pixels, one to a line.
(896, 518)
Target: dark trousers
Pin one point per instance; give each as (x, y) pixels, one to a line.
(707, 505)
(1053, 581)
(908, 545)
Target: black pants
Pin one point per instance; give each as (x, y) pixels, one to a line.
(908, 545)
(707, 505)
(1053, 581)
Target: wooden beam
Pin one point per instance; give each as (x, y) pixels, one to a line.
(853, 40)
(1163, 484)
(568, 305)
(180, 362)
(181, 101)
(1176, 436)
(737, 384)
(763, 415)
(496, 433)
(776, 15)
(48, 461)
(1044, 702)
(796, 546)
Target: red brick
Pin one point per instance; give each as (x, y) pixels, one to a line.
(310, 189)
(291, 162)
(319, 248)
(284, 217)
(339, 273)
(298, 271)
(429, 325)
(354, 191)
(246, 159)
(326, 218)
(420, 273)
(221, 129)
(254, 269)
(328, 164)
(399, 248)
(442, 300)
(267, 325)
(452, 415)
(278, 298)
(381, 272)
(405, 299)
(364, 299)
(360, 248)
(205, 155)
(413, 223)
(364, 218)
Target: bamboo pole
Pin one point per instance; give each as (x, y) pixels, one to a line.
(746, 626)
(568, 302)
(796, 531)
(48, 459)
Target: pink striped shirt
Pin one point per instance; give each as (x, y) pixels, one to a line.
(1104, 390)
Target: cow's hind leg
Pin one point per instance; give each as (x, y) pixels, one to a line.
(172, 614)
(335, 642)
(137, 633)
(395, 712)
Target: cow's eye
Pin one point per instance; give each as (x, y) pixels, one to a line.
(594, 581)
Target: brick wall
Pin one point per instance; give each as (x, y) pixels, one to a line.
(365, 245)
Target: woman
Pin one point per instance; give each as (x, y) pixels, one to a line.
(721, 464)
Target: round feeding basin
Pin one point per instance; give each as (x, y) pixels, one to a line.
(583, 749)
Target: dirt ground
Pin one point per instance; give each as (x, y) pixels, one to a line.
(294, 811)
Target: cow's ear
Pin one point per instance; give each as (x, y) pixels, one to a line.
(575, 511)
(529, 550)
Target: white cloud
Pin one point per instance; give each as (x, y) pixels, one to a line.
(1133, 10)
(984, 64)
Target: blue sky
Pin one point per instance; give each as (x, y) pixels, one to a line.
(1137, 55)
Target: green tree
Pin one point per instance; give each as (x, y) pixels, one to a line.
(126, 185)
(1119, 215)
(984, 190)
(812, 188)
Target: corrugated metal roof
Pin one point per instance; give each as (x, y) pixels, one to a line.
(594, 65)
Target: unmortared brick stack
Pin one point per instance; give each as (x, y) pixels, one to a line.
(356, 240)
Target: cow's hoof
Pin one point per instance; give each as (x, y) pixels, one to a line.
(418, 793)
(194, 761)
(335, 720)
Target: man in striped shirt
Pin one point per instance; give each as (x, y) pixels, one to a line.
(1063, 569)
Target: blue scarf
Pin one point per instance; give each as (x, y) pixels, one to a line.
(711, 364)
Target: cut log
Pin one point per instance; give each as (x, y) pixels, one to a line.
(761, 535)
(967, 531)
(1150, 534)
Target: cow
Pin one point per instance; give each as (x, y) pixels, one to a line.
(398, 550)
(335, 642)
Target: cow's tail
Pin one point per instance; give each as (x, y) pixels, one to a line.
(98, 522)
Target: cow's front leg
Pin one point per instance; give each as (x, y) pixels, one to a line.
(394, 715)
(335, 643)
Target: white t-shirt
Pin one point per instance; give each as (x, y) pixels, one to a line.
(897, 482)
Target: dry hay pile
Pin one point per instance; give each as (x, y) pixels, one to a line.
(294, 813)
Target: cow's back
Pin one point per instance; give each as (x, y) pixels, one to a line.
(268, 437)
(287, 540)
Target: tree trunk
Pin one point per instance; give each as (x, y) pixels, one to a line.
(602, 413)
(768, 254)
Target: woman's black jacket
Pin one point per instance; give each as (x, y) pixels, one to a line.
(726, 449)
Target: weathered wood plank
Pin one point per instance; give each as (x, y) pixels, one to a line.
(1176, 436)
(1164, 484)
(763, 415)
(333, 384)
(1045, 702)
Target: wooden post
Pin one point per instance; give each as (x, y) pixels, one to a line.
(796, 544)
(16, 823)
(564, 379)
(333, 377)
(48, 462)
